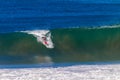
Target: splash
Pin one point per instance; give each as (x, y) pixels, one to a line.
(43, 36)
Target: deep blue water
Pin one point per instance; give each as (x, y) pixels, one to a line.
(17, 15)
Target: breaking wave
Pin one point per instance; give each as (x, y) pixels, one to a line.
(66, 45)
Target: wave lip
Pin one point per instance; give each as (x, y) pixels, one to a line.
(43, 36)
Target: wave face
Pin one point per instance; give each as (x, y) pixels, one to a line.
(70, 45)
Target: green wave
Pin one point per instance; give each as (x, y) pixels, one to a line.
(71, 45)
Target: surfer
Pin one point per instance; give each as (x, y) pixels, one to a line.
(45, 40)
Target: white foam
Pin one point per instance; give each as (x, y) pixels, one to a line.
(78, 72)
(104, 27)
(39, 34)
(95, 27)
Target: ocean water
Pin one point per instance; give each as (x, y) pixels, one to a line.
(75, 31)
(38, 14)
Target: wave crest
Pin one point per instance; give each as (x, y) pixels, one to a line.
(43, 36)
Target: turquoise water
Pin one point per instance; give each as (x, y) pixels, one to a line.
(71, 45)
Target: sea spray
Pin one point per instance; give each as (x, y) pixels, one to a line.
(40, 35)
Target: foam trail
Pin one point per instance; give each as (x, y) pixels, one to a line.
(43, 36)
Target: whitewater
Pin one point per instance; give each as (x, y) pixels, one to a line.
(43, 36)
(75, 72)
